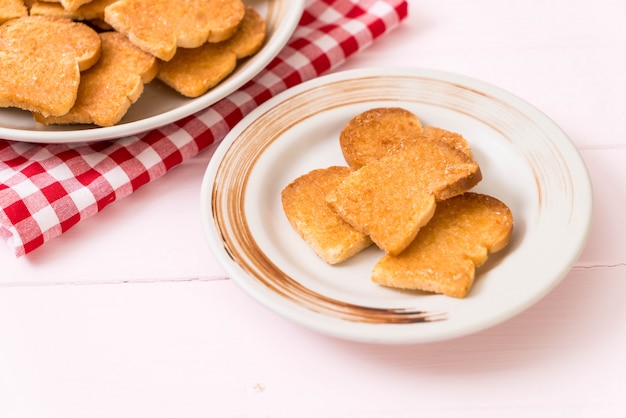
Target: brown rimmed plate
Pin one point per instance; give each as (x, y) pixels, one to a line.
(527, 161)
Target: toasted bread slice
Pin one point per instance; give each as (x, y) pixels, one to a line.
(109, 88)
(12, 9)
(454, 139)
(390, 199)
(159, 27)
(41, 62)
(374, 133)
(192, 72)
(94, 10)
(444, 255)
(250, 35)
(327, 234)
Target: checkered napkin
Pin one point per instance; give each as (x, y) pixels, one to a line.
(47, 189)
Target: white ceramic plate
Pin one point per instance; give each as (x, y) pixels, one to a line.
(526, 161)
(160, 105)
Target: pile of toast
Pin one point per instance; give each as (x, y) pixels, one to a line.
(87, 61)
(406, 189)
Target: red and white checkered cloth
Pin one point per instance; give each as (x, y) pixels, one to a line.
(47, 189)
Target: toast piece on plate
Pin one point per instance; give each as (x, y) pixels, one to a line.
(446, 252)
(304, 203)
(159, 27)
(374, 133)
(454, 139)
(42, 58)
(94, 10)
(12, 9)
(109, 88)
(390, 199)
(250, 35)
(192, 72)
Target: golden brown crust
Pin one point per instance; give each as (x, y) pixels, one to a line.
(444, 255)
(12, 9)
(93, 10)
(250, 35)
(374, 133)
(390, 199)
(327, 234)
(41, 62)
(454, 139)
(192, 72)
(377, 132)
(159, 27)
(109, 88)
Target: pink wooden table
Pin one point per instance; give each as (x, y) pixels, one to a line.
(129, 315)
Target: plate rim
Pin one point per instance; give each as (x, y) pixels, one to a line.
(583, 186)
(268, 52)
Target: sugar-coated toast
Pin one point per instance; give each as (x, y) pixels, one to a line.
(12, 9)
(444, 255)
(94, 10)
(159, 27)
(41, 62)
(374, 133)
(454, 139)
(304, 204)
(192, 72)
(109, 88)
(390, 199)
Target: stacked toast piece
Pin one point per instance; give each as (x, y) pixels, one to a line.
(406, 189)
(87, 61)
